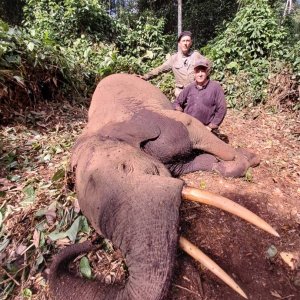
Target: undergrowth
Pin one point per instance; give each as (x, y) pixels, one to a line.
(248, 53)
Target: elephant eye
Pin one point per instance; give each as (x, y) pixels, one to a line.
(124, 167)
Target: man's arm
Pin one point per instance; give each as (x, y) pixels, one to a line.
(166, 66)
(221, 108)
(180, 101)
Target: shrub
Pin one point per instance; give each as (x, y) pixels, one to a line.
(28, 67)
(243, 52)
(65, 46)
(93, 43)
(63, 21)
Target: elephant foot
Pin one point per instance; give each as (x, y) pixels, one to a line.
(253, 159)
(233, 168)
(230, 169)
(238, 167)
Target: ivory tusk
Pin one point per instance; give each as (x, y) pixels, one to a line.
(193, 194)
(198, 255)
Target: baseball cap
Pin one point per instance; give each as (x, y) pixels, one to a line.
(204, 62)
(184, 33)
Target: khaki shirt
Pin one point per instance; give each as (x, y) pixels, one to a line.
(181, 65)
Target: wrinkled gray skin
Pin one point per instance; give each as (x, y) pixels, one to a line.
(124, 160)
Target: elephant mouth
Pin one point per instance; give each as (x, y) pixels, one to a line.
(204, 197)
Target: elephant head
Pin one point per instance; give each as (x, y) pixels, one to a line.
(124, 162)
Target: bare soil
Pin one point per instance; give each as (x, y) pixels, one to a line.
(271, 190)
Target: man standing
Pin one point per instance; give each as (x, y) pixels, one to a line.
(181, 63)
(204, 98)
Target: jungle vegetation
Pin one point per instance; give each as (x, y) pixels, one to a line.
(62, 48)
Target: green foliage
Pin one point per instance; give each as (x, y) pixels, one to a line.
(91, 42)
(165, 82)
(7, 44)
(292, 24)
(143, 34)
(85, 268)
(69, 45)
(63, 21)
(203, 17)
(29, 63)
(253, 34)
(243, 52)
(72, 44)
(293, 56)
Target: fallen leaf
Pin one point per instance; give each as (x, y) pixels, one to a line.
(290, 259)
(272, 251)
(76, 206)
(59, 174)
(275, 294)
(49, 212)
(36, 238)
(74, 229)
(63, 242)
(29, 195)
(84, 267)
(20, 249)
(55, 235)
(4, 244)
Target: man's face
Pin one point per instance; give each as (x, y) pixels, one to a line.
(185, 44)
(201, 74)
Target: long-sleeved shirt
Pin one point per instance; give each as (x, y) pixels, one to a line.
(181, 65)
(205, 103)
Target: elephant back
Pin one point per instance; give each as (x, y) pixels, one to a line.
(118, 97)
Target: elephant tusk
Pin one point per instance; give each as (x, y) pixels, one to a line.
(193, 194)
(198, 255)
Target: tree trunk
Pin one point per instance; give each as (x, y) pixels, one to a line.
(179, 16)
(288, 8)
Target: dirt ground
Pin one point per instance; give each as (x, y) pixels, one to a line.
(271, 190)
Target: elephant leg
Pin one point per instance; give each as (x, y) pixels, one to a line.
(234, 168)
(253, 158)
(208, 162)
(201, 138)
(202, 162)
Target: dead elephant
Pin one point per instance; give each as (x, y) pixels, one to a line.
(126, 161)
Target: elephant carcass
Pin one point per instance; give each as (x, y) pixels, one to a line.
(127, 108)
(124, 161)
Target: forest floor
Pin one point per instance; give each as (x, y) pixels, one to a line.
(264, 266)
(39, 212)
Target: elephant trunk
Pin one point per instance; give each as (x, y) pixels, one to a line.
(64, 285)
(149, 274)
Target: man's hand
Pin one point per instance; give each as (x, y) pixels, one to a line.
(177, 107)
(212, 126)
(141, 76)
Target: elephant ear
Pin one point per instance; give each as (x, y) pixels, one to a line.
(135, 131)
